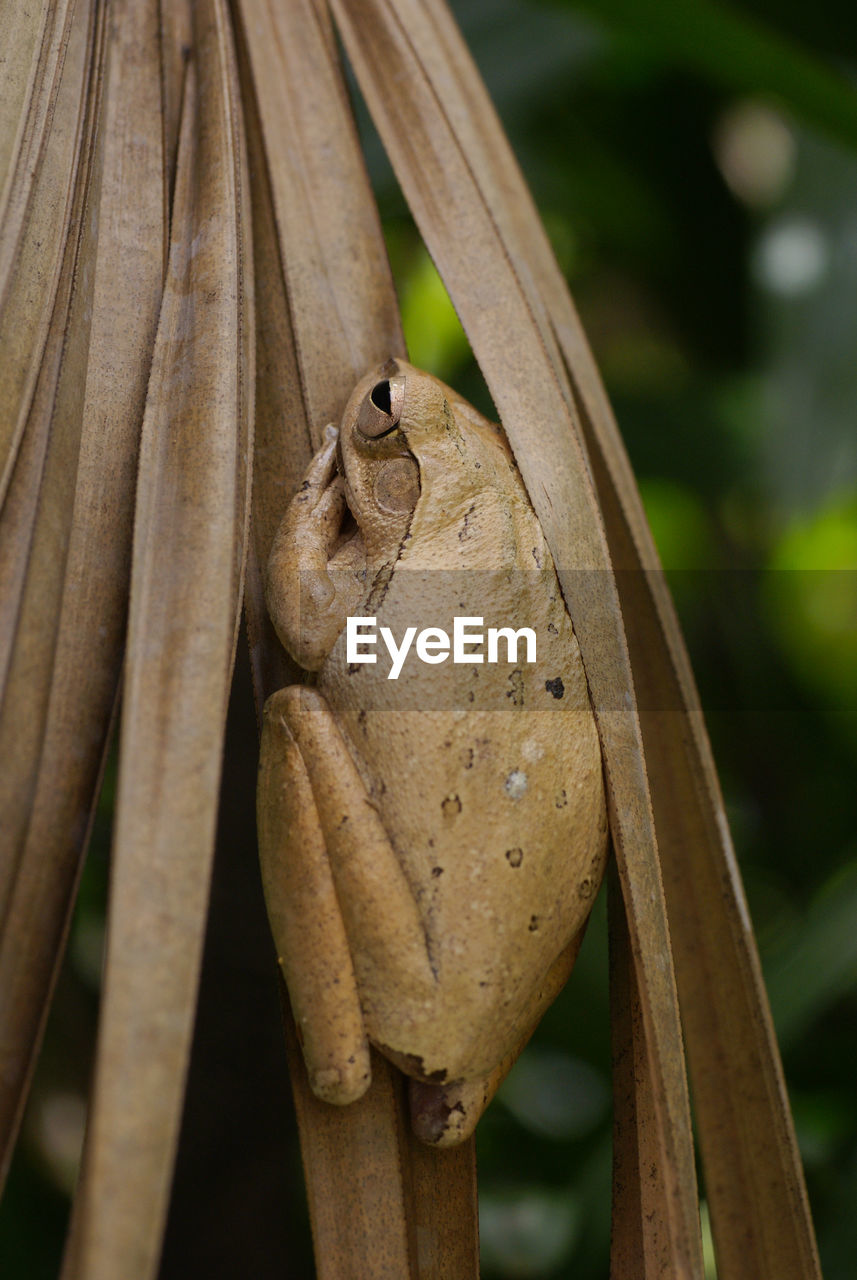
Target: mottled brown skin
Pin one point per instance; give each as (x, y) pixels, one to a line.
(430, 846)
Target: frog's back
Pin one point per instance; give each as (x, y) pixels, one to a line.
(497, 812)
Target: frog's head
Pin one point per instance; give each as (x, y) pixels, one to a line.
(406, 440)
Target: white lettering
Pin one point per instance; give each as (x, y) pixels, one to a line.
(511, 638)
(433, 645)
(354, 640)
(461, 637)
(399, 654)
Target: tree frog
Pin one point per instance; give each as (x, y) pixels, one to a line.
(431, 844)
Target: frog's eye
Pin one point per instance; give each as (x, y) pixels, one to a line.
(381, 410)
(380, 396)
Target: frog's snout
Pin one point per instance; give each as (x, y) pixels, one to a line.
(382, 408)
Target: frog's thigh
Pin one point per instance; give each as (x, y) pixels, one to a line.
(305, 917)
(385, 930)
(444, 1115)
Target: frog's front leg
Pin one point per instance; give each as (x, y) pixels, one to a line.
(342, 912)
(311, 586)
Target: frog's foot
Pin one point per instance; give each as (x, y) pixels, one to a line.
(444, 1115)
(306, 922)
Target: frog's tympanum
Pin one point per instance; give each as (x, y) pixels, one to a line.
(430, 844)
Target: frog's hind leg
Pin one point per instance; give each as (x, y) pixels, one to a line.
(305, 918)
(342, 912)
(385, 930)
(444, 1115)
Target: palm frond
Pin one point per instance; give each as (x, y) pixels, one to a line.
(39, 522)
(191, 253)
(190, 533)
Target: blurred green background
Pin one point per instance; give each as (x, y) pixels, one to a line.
(696, 168)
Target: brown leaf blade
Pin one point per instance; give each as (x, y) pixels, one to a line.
(32, 72)
(175, 45)
(41, 151)
(27, 395)
(754, 1181)
(81, 668)
(755, 1186)
(380, 1203)
(511, 337)
(342, 304)
(639, 1245)
(36, 527)
(186, 584)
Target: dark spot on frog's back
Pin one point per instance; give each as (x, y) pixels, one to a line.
(555, 686)
(436, 871)
(466, 530)
(514, 857)
(534, 924)
(516, 690)
(451, 806)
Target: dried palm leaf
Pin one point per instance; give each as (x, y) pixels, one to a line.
(37, 524)
(176, 39)
(80, 670)
(186, 583)
(326, 313)
(42, 128)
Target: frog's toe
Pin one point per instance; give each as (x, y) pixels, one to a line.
(342, 1084)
